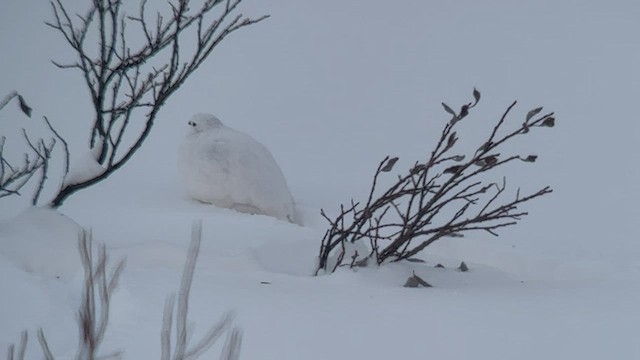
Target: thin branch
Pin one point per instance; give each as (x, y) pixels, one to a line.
(182, 350)
(44, 345)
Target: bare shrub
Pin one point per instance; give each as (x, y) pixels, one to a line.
(445, 196)
(128, 83)
(132, 84)
(93, 315)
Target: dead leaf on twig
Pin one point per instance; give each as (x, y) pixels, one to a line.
(389, 165)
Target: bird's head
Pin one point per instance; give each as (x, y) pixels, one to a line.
(204, 122)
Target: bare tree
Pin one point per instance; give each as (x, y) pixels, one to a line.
(128, 82)
(445, 196)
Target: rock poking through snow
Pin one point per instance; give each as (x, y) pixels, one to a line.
(230, 169)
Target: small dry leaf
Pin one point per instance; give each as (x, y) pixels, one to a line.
(453, 169)
(476, 95)
(448, 109)
(439, 266)
(420, 167)
(452, 140)
(26, 109)
(491, 159)
(455, 235)
(485, 146)
(531, 158)
(464, 111)
(415, 260)
(533, 113)
(480, 162)
(458, 158)
(549, 122)
(389, 165)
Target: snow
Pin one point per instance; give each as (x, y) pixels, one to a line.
(83, 168)
(230, 169)
(45, 243)
(330, 102)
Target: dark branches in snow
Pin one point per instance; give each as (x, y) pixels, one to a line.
(445, 196)
(130, 83)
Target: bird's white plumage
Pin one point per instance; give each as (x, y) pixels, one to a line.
(230, 169)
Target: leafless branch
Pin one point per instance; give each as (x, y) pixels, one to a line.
(22, 348)
(93, 315)
(44, 345)
(99, 286)
(13, 177)
(182, 349)
(124, 84)
(65, 149)
(434, 199)
(8, 98)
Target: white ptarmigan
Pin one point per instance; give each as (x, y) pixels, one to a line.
(230, 169)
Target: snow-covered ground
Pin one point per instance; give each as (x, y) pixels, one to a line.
(331, 88)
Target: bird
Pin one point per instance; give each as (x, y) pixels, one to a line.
(230, 169)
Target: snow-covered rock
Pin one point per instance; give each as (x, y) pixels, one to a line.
(230, 169)
(43, 242)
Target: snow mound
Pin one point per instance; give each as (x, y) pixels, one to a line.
(43, 242)
(230, 169)
(295, 257)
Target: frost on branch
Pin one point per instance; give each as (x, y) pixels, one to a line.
(36, 160)
(445, 196)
